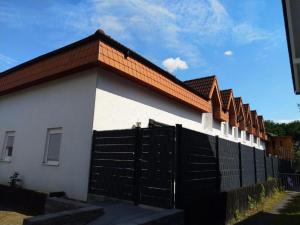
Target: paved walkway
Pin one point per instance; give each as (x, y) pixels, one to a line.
(268, 218)
(125, 213)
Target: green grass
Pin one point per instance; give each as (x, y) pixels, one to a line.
(266, 204)
(262, 212)
(289, 215)
(11, 218)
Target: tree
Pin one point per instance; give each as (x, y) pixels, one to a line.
(284, 129)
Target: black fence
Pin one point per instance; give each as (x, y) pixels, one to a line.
(290, 181)
(174, 166)
(135, 165)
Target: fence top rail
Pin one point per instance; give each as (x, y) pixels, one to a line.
(144, 128)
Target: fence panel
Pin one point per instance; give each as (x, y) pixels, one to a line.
(276, 166)
(157, 163)
(198, 165)
(285, 166)
(112, 164)
(229, 164)
(260, 165)
(269, 166)
(248, 173)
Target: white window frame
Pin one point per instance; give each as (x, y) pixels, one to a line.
(51, 131)
(4, 153)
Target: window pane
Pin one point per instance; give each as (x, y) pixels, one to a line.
(53, 147)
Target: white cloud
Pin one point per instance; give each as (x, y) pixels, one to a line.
(245, 33)
(228, 53)
(179, 27)
(172, 64)
(6, 60)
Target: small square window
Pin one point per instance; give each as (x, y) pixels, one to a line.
(53, 143)
(8, 146)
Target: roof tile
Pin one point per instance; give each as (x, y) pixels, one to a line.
(202, 85)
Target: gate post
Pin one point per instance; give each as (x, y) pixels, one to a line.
(137, 166)
(240, 165)
(178, 166)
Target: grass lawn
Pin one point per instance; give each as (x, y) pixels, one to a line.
(11, 218)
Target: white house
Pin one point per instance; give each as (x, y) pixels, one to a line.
(49, 107)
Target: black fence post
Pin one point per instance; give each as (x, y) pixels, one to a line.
(178, 166)
(255, 169)
(137, 166)
(219, 176)
(273, 173)
(240, 165)
(91, 159)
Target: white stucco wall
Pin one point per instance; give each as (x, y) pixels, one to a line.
(121, 103)
(66, 103)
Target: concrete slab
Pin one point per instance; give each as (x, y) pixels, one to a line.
(126, 213)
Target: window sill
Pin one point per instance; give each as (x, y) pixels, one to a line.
(56, 164)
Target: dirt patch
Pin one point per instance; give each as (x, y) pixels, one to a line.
(12, 218)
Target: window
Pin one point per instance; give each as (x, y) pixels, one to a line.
(53, 142)
(8, 146)
(224, 128)
(247, 136)
(251, 139)
(235, 133)
(258, 142)
(207, 121)
(243, 134)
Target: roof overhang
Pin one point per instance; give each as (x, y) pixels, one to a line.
(291, 9)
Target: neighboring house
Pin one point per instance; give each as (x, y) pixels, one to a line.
(280, 146)
(49, 107)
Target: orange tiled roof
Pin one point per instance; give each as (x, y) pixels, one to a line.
(240, 113)
(226, 94)
(261, 123)
(202, 85)
(254, 118)
(99, 50)
(237, 102)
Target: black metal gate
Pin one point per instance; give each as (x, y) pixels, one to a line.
(135, 165)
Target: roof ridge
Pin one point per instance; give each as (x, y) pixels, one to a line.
(201, 78)
(229, 89)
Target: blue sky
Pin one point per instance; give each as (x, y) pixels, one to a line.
(242, 42)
